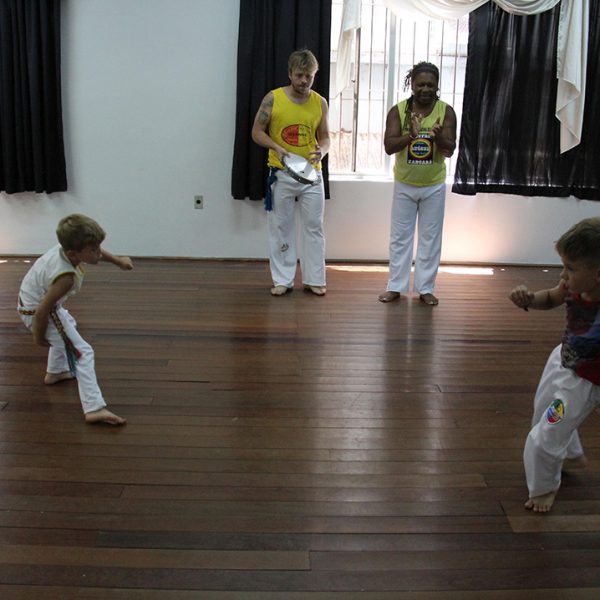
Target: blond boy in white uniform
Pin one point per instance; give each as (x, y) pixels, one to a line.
(54, 277)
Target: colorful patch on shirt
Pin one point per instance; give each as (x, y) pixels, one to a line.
(555, 412)
(297, 135)
(420, 151)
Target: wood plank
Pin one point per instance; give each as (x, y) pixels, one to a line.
(260, 523)
(307, 581)
(77, 593)
(153, 559)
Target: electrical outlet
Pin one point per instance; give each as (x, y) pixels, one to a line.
(198, 201)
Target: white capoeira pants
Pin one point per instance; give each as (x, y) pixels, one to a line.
(562, 402)
(89, 391)
(428, 203)
(283, 253)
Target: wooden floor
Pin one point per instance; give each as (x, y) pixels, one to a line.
(294, 447)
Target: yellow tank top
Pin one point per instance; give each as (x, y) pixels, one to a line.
(294, 126)
(421, 163)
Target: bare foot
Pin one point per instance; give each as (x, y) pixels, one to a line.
(317, 290)
(280, 290)
(429, 299)
(104, 415)
(575, 464)
(388, 296)
(52, 378)
(541, 504)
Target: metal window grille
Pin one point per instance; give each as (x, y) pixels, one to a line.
(385, 49)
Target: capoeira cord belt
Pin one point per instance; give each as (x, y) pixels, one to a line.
(72, 353)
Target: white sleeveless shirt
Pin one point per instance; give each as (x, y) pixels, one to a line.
(43, 273)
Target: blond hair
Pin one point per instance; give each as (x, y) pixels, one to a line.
(76, 232)
(303, 60)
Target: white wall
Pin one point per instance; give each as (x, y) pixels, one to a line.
(486, 228)
(149, 117)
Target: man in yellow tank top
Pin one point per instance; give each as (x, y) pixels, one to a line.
(421, 132)
(293, 120)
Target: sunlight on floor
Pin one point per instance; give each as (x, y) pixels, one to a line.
(359, 268)
(15, 260)
(384, 269)
(467, 270)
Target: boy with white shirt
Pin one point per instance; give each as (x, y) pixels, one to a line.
(52, 278)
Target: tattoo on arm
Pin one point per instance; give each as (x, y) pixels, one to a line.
(263, 117)
(264, 113)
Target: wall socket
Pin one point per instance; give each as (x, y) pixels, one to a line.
(199, 201)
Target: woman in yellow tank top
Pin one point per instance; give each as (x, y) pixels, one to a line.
(421, 132)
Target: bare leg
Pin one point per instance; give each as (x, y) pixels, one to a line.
(104, 415)
(541, 504)
(52, 378)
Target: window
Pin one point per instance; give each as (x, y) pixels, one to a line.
(388, 47)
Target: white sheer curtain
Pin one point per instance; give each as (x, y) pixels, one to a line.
(571, 52)
(573, 31)
(350, 23)
(454, 9)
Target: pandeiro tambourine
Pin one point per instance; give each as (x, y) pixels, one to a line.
(300, 169)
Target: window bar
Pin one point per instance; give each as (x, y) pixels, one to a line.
(428, 40)
(338, 100)
(391, 79)
(455, 65)
(453, 158)
(397, 91)
(399, 60)
(414, 48)
(441, 67)
(355, 110)
(340, 104)
(369, 93)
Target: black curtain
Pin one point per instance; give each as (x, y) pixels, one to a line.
(270, 30)
(32, 157)
(510, 137)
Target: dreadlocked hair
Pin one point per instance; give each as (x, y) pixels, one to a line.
(422, 67)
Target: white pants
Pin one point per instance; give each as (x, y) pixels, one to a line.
(89, 392)
(428, 203)
(283, 254)
(562, 402)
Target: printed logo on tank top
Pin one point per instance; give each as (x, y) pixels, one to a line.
(297, 135)
(555, 412)
(420, 151)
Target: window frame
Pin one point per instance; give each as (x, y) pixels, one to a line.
(393, 66)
